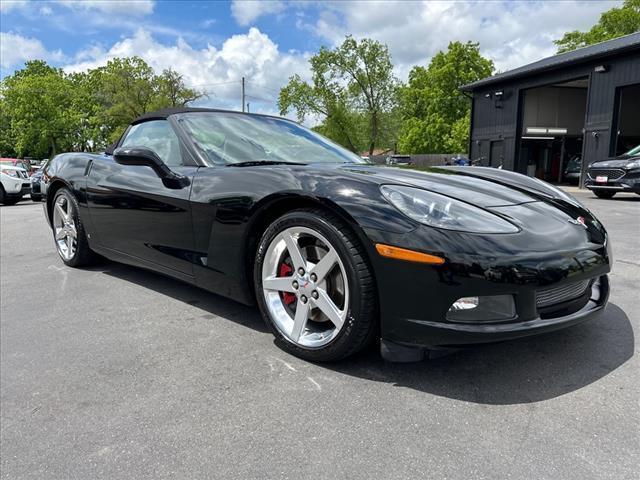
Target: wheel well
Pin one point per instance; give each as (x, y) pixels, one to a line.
(268, 214)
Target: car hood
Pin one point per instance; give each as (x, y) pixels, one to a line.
(484, 187)
(618, 162)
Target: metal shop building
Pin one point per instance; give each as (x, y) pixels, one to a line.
(535, 118)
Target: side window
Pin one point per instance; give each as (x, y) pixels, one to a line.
(156, 135)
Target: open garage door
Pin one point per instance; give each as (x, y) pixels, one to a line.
(551, 138)
(626, 120)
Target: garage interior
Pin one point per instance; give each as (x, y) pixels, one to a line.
(553, 119)
(627, 119)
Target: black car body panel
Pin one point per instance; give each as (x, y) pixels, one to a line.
(206, 234)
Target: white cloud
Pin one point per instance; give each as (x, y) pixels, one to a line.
(215, 70)
(511, 33)
(16, 49)
(135, 8)
(7, 6)
(247, 11)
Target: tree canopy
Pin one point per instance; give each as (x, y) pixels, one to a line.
(45, 110)
(352, 95)
(352, 88)
(613, 23)
(435, 113)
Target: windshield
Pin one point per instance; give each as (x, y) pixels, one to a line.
(231, 138)
(634, 151)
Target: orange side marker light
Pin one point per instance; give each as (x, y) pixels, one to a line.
(408, 255)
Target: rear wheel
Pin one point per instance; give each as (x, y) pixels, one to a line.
(604, 193)
(68, 230)
(314, 286)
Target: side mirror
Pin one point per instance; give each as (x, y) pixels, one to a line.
(145, 157)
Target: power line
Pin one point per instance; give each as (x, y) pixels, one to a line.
(214, 84)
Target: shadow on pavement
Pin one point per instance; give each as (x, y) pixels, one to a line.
(209, 302)
(522, 371)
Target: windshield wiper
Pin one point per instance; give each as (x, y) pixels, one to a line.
(256, 163)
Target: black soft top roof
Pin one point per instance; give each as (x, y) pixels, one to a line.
(167, 112)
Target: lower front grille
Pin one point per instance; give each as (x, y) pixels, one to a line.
(552, 296)
(610, 173)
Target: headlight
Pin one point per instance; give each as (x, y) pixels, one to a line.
(634, 164)
(440, 211)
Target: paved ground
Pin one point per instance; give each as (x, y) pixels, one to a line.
(115, 372)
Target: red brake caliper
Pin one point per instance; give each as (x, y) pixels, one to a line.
(286, 271)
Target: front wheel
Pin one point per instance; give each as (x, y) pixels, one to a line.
(604, 193)
(68, 231)
(314, 286)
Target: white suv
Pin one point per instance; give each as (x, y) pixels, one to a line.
(14, 184)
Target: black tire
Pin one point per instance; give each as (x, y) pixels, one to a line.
(36, 197)
(604, 193)
(83, 255)
(8, 199)
(361, 324)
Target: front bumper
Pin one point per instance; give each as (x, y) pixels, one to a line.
(438, 335)
(14, 187)
(415, 299)
(629, 182)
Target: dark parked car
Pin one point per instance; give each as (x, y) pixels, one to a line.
(620, 174)
(335, 252)
(573, 168)
(36, 187)
(398, 160)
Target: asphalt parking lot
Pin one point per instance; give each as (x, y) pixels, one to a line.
(115, 372)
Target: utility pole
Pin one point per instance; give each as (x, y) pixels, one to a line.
(243, 94)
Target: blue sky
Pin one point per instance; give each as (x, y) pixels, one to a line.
(214, 44)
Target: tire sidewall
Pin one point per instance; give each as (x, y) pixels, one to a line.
(338, 241)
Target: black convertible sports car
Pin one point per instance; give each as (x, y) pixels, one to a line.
(336, 252)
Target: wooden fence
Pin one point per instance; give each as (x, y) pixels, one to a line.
(424, 159)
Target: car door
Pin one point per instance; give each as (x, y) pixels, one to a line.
(133, 213)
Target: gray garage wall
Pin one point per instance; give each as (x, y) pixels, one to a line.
(555, 107)
(498, 118)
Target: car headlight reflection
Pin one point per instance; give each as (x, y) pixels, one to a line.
(440, 211)
(485, 309)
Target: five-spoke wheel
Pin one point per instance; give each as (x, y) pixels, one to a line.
(316, 309)
(68, 230)
(314, 286)
(64, 227)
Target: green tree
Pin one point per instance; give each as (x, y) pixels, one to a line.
(435, 112)
(44, 110)
(37, 117)
(352, 89)
(613, 23)
(171, 90)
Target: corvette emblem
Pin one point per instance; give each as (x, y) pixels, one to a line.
(578, 221)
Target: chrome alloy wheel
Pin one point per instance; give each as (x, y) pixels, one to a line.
(66, 234)
(305, 287)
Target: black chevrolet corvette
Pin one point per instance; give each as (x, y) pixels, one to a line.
(336, 252)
